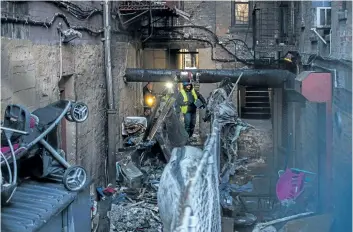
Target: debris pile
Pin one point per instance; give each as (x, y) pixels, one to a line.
(254, 142)
(134, 217)
(133, 129)
(134, 205)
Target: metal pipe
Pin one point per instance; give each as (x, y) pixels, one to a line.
(330, 42)
(135, 17)
(320, 37)
(292, 18)
(112, 112)
(251, 77)
(60, 54)
(107, 57)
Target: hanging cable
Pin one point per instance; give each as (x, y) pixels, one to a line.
(6, 19)
(76, 10)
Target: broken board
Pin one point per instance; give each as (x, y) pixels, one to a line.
(320, 223)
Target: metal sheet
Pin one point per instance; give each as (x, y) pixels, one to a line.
(33, 205)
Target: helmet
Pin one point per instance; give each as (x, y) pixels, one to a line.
(185, 83)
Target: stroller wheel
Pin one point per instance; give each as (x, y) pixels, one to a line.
(68, 117)
(79, 112)
(75, 178)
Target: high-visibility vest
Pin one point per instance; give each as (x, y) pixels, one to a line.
(184, 109)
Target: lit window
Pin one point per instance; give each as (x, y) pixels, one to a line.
(241, 12)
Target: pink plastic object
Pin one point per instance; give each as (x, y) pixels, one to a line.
(7, 149)
(289, 185)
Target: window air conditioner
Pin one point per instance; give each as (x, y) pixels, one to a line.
(323, 17)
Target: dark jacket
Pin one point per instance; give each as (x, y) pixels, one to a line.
(191, 106)
(146, 91)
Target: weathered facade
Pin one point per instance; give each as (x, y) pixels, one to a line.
(30, 71)
(321, 32)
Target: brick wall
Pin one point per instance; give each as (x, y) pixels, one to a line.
(30, 75)
(341, 41)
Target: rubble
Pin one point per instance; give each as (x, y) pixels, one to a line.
(134, 205)
(134, 217)
(254, 142)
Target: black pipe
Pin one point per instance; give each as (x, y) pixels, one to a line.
(251, 77)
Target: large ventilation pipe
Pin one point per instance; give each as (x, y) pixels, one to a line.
(251, 77)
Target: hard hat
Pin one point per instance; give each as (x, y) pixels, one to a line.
(185, 83)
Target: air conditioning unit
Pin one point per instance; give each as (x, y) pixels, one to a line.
(323, 17)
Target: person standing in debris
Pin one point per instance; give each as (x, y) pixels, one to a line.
(148, 97)
(187, 102)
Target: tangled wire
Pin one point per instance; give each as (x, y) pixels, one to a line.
(76, 10)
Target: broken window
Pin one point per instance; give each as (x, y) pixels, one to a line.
(241, 12)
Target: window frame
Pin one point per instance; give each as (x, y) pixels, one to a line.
(318, 17)
(233, 19)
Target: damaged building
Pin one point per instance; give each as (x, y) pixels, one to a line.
(286, 66)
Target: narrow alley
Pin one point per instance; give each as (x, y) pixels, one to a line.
(203, 116)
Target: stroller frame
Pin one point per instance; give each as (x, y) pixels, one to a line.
(75, 177)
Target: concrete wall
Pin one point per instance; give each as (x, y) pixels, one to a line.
(30, 75)
(216, 16)
(342, 160)
(341, 40)
(338, 59)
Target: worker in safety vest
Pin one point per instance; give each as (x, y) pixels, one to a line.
(187, 102)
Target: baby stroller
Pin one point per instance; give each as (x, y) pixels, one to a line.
(29, 146)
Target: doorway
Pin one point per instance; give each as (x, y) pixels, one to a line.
(67, 131)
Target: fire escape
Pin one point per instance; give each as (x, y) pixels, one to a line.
(145, 17)
(276, 33)
(275, 43)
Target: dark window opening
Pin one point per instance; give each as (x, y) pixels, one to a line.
(344, 5)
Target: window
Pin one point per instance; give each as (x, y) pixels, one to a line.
(240, 12)
(323, 17)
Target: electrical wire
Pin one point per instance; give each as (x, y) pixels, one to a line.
(210, 43)
(6, 19)
(76, 10)
(28, 21)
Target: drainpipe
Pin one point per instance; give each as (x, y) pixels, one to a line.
(112, 112)
(330, 42)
